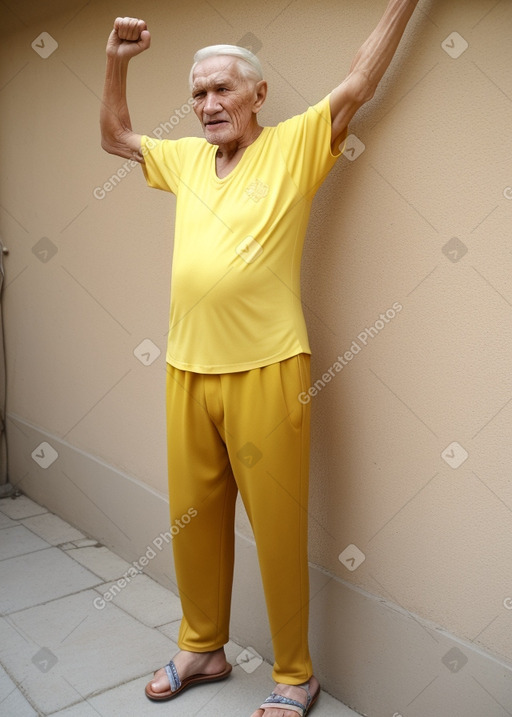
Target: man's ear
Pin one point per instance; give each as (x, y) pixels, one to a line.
(260, 91)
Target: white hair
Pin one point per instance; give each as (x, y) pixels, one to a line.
(247, 62)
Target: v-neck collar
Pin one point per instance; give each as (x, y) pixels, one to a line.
(248, 150)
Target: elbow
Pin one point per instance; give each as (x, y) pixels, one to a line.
(114, 149)
(107, 143)
(110, 145)
(106, 146)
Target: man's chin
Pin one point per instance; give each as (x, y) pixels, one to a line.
(215, 135)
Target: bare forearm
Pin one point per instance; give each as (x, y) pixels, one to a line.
(375, 55)
(115, 120)
(368, 67)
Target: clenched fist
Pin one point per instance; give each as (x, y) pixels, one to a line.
(129, 37)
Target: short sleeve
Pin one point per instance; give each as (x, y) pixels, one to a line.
(162, 165)
(306, 145)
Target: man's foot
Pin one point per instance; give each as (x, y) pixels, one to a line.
(293, 692)
(191, 668)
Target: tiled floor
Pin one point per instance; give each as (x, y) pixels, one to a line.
(63, 651)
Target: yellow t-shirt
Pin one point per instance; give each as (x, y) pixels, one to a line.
(235, 286)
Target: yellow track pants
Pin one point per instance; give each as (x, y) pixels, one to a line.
(244, 432)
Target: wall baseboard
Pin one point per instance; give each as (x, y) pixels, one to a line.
(374, 656)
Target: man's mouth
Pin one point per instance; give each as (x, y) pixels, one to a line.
(213, 123)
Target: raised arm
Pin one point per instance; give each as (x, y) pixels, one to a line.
(129, 37)
(368, 67)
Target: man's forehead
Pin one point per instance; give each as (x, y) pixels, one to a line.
(215, 69)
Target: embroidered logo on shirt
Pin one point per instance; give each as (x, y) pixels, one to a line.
(249, 249)
(257, 190)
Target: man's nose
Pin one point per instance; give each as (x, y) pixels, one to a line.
(211, 105)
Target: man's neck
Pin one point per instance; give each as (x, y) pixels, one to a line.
(228, 152)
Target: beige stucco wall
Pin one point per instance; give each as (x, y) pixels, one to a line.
(388, 229)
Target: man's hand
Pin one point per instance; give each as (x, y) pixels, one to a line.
(129, 37)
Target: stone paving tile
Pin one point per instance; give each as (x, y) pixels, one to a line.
(52, 529)
(19, 541)
(12, 702)
(6, 522)
(21, 507)
(144, 599)
(100, 560)
(37, 577)
(67, 649)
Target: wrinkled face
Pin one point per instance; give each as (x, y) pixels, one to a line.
(223, 100)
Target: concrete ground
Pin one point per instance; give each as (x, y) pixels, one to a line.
(66, 651)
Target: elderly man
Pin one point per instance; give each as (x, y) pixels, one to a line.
(238, 352)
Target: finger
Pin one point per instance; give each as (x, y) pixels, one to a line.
(145, 39)
(129, 28)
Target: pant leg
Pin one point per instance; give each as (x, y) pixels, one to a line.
(267, 435)
(201, 484)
